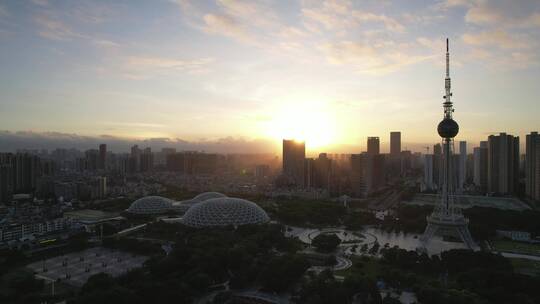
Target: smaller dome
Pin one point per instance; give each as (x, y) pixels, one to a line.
(448, 128)
(208, 195)
(149, 205)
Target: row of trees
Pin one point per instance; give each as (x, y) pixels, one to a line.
(458, 276)
(324, 288)
(319, 213)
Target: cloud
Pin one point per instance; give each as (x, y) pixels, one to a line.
(107, 44)
(134, 124)
(256, 24)
(143, 67)
(341, 15)
(68, 22)
(501, 32)
(248, 22)
(3, 12)
(227, 26)
(437, 45)
(55, 29)
(165, 63)
(498, 38)
(453, 3)
(503, 14)
(483, 14)
(370, 58)
(390, 24)
(41, 2)
(12, 141)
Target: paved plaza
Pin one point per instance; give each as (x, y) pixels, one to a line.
(75, 268)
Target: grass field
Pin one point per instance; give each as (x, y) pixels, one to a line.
(516, 247)
(365, 265)
(526, 266)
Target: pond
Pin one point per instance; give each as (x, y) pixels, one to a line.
(370, 235)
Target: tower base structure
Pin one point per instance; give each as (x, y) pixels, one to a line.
(449, 225)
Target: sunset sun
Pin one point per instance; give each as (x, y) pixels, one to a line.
(302, 122)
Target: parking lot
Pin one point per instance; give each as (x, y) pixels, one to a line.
(75, 268)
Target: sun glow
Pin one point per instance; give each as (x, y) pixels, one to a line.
(303, 122)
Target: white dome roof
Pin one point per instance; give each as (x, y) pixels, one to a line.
(208, 195)
(224, 211)
(150, 205)
(183, 206)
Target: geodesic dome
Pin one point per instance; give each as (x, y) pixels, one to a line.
(149, 205)
(224, 211)
(208, 195)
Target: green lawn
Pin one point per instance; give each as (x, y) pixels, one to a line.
(517, 247)
(526, 266)
(366, 265)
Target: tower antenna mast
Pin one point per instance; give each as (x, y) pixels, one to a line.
(446, 216)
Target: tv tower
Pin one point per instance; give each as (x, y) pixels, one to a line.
(446, 218)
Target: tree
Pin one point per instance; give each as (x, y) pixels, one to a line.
(375, 248)
(390, 300)
(326, 242)
(283, 271)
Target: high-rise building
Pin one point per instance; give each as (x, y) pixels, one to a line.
(262, 171)
(406, 162)
(26, 170)
(99, 187)
(373, 145)
(309, 173)
(428, 172)
(175, 162)
(317, 172)
(395, 143)
(135, 159)
(480, 156)
(323, 168)
(102, 162)
(462, 168)
(92, 159)
(294, 155)
(192, 163)
(532, 166)
(160, 158)
(6, 177)
(503, 163)
(358, 185)
(437, 149)
(147, 160)
(373, 168)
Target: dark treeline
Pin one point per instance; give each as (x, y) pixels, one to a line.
(464, 277)
(319, 213)
(483, 221)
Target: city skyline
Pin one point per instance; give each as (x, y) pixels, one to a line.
(26, 140)
(331, 73)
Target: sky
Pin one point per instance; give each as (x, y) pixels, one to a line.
(328, 72)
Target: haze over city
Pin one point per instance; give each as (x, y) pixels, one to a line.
(251, 73)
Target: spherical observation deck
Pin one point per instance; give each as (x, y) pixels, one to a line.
(448, 128)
